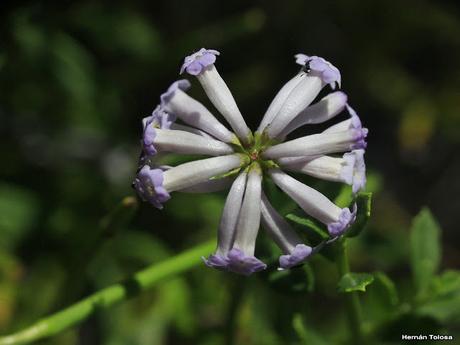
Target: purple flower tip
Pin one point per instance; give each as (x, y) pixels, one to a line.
(158, 119)
(216, 261)
(182, 84)
(360, 139)
(240, 263)
(346, 218)
(300, 253)
(321, 67)
(195, 63)
(149, 186)
(148, 140)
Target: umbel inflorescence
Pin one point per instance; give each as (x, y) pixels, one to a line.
(240, 159)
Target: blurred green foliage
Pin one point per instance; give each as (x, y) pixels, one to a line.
(75, 80)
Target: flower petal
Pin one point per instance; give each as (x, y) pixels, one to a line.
(149, 185)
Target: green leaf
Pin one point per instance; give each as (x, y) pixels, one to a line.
(355, 282)
(425, 249)
(363, 202)
(381, 301)
(307, 223)
(447, 283)
(443, 302)
(387, 289)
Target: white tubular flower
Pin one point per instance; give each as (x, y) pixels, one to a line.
(278, 101)
(352, 123)
(241, 161)
(319, 144)
(320, 73)
(187, 143)
(285, 237)
(209, 186)
(192, 112)
(314, 203)
(201, 65)
(191, 173)
(299, 98)
(349, 169)
(227, 226)
(189, 129)
(320, 112)
(241, 258)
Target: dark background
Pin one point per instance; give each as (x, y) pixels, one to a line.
(76, 78)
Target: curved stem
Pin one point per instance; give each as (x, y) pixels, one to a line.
(105, 298)
(352, 305)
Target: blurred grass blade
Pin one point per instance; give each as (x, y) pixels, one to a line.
(425, 249)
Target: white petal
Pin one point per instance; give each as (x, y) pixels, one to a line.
(316, 144)
(191, 173)
(310, 200)
(277, 227)
(278, 101)
(320, 112)
(299, 98)
(195, 114)
(227, 226)
(249, 218)
(189, 143)
(209, 186)
(193, 130)
(323, 167)
(220, 95)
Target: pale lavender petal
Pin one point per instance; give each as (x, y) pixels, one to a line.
(300, 253)
(216, 261)
(321, 67)
(149, 186)
(148, 139)
(182, 84)
(194, 64)
(238, 262)
(346, 218)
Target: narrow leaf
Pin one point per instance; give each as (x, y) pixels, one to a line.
(425, 249)
(307, 223)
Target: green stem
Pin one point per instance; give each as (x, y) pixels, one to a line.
(105, 298)
(352, 304)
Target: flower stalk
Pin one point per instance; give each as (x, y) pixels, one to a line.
(140, 281)
(351, 299)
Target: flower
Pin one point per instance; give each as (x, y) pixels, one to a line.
(317, 65)
(240, 160)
